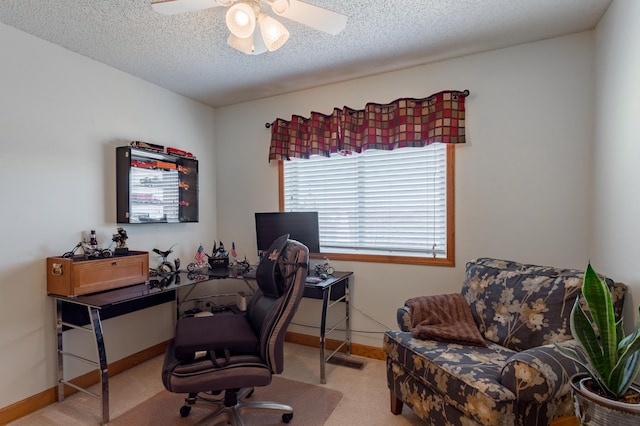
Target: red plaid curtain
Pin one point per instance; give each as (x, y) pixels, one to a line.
(402, 123)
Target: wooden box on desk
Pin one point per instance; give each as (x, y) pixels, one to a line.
(74, 277)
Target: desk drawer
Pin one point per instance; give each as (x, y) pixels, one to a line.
(337, 291)
(74, 277)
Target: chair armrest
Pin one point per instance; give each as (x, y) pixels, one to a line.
(539, 374)
(404, 318)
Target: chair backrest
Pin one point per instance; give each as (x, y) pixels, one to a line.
(521, 306)
(276, 300)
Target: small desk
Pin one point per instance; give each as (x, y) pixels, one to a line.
(87, 312)
(332, 290)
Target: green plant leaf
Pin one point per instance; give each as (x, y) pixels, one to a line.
(622, 376)
(619, 333)
(628, 364)
(586, 336)
(598, 298)
(628, 341)
(576, 356)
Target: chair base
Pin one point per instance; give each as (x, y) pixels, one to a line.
(232, 406)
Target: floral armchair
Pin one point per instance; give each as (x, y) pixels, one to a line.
(513, 375)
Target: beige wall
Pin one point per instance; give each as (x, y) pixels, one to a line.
(61, 117)
(522, 180)
(615, 243)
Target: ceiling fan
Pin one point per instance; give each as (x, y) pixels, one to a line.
(243, 16)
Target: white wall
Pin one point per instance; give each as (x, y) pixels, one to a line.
(522, 180)
(61, 117)
(615, 245)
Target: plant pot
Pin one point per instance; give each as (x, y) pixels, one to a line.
(593, 409)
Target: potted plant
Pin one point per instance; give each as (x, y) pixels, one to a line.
(606, 394)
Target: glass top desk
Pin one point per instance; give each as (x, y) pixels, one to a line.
(87, 312)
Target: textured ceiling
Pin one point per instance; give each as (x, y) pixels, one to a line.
(188, 53)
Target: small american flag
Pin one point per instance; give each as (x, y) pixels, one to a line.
(233, 250)
(200, 254)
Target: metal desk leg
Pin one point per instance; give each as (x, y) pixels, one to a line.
(101, 364)
(96, 324)
(323, 325)
(60, 351)
(347, 299)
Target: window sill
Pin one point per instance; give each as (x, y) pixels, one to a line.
(404, 260)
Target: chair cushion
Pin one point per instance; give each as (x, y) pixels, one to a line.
(216, 333)
(522, 306)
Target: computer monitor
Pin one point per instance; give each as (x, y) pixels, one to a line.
(301, 226)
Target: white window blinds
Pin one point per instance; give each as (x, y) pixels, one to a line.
(377, 202)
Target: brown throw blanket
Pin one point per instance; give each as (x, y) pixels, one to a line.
(445, 317)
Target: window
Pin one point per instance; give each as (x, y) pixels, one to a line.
(379, 206)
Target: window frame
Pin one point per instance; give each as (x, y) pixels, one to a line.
(448, 260)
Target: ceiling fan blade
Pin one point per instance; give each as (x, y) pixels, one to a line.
(173, 7)
(316, 17)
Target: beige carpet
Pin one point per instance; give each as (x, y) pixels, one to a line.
(312, 405)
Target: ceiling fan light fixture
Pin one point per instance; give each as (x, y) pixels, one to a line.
(241, 20)
(279, 7)
(244, 45)
(274, 34)
(253, 45)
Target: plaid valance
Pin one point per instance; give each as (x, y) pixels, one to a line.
(405, 122)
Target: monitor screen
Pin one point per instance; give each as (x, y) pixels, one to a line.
(301, 226)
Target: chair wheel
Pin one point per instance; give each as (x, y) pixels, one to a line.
(286, 418)
(185, 410)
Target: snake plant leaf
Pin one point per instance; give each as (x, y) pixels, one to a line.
(622, 378)
(577, 356)
(587, 338)
(598, 298)
(628, 364)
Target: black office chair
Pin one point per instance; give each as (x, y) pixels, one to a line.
(234, 353)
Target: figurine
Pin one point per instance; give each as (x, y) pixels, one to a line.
(218, 251)
(219, 257)
(87, 251)
(165, 267)
(244, 265)
(200, 263)
(324, 269)
(121, 241)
